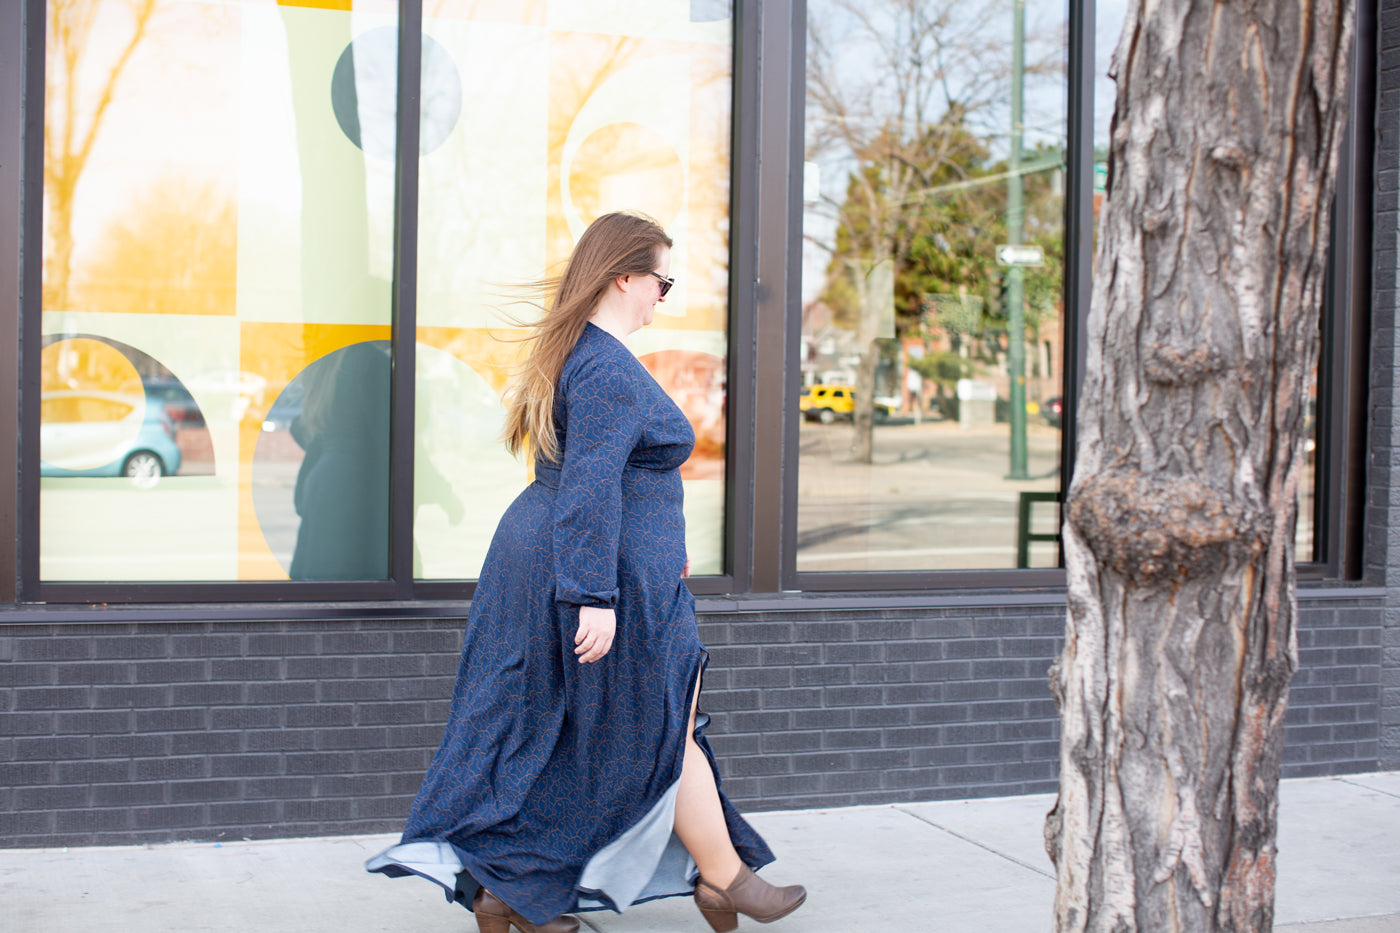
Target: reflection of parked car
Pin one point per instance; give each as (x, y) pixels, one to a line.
(179, 404)
(826, 403)
(105, 434)
(240, 391)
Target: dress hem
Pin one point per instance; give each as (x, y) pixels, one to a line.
(444, 863)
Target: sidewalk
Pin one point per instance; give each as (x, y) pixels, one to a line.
(961, 866)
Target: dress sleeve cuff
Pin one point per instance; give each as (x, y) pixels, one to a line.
(606, 600)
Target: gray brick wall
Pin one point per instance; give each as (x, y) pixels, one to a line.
(1333, 724)
(1383, 496)
(156, 732)
(838, 708)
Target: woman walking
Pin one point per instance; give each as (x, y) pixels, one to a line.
(574, 774)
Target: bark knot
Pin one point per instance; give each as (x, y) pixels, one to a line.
(1172, 363)
(1162, 529)
(1229, 156)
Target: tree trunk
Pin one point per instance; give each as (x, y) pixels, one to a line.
(59, 262)
(1179, 533)
(70, 25)
(874, 282)
(863, 417)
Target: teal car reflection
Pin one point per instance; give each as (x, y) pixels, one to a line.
(90, 433)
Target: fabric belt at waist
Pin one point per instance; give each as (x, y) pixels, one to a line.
(547, 474)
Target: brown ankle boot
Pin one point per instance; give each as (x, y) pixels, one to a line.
(494, 915)
(749, 895)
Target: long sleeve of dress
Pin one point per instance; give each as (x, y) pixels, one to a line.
(602, 425)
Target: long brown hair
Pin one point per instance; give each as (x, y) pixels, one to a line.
(616, 244)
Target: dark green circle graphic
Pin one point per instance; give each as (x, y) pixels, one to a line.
(364, 93)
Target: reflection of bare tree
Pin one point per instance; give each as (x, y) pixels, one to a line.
(569, 96)
(67, 145)
(173, 250)
(573, 81)
(639, 156)
(712, 82)
(626, 150)
(893, 89)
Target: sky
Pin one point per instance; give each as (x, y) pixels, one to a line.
(1044, 118)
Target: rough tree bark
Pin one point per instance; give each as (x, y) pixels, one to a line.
(1179, 532)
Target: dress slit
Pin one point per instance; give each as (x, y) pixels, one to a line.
(648, 860)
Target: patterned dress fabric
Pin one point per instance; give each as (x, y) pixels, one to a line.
(554, 778)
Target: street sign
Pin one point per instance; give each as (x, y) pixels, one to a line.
(811, 182)
(1012, 255)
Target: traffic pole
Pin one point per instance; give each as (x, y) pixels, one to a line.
(1016, 274)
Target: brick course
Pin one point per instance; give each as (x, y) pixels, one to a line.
(290, 729)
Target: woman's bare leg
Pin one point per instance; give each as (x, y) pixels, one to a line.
(699, 818)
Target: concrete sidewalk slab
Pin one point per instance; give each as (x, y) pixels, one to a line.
(304, 885)
(1338, 849)
(873, 868)
(1386, 924)
(1012, 827)
(964, 866)
(1386, 782)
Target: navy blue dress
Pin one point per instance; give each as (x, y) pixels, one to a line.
(555, 782)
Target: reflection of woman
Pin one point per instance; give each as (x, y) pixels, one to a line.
(342, 491)
(574, 774)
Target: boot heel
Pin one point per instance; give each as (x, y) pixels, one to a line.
(492, 914)
(723, 921)
(749, 895)
(489, 923)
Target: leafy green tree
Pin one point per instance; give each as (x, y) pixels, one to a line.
(904, 93)
(943, 368)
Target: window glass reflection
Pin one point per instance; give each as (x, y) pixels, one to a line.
(932, 285)
(332, 423)
(576, 109)
(218, 219)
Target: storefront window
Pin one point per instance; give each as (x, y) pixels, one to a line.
(218, 254)
(932, 286)
(573, 110)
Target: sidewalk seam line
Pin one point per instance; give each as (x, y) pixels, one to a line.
(1298, 924)
(980, 845)
(1368, 787)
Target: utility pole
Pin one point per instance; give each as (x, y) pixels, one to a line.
(1016, 274)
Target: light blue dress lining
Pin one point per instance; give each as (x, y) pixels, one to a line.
(647, 861)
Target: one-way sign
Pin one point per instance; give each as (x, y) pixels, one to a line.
(1010, 255)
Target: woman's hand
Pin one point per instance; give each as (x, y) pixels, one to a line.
(685, 571)
(596, 627)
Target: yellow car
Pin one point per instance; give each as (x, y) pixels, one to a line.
(826, 403)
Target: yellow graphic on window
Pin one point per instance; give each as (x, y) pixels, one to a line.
(219, 261)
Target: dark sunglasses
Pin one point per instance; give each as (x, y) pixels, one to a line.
(665, 283)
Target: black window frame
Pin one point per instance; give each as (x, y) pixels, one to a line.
(1077, 289)
(1340, 452)
(767, 123)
